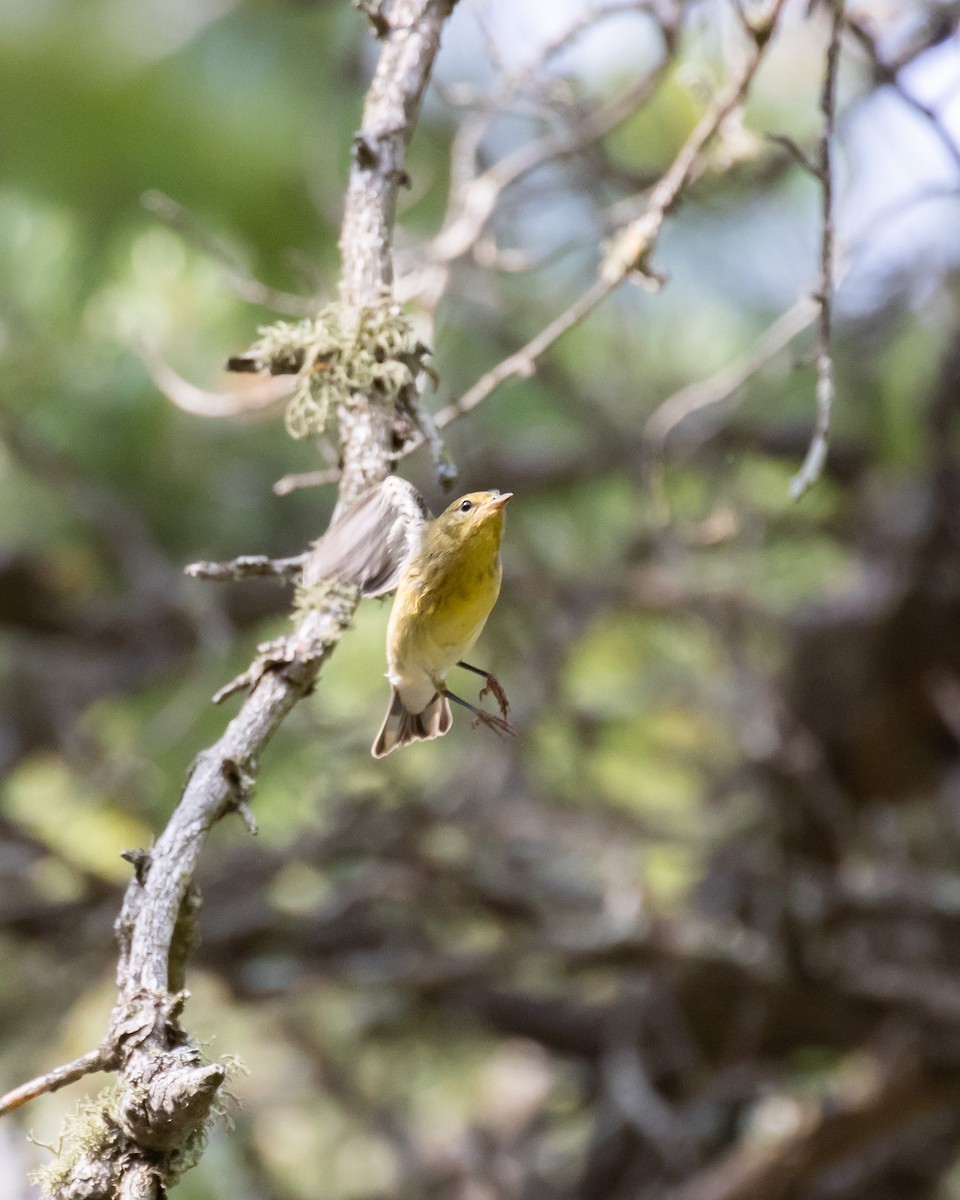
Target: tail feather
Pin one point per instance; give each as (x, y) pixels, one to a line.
(401, 726)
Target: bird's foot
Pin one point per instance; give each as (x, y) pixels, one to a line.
(492, 721)
(494, 686)
(499, 725)
(490, 684)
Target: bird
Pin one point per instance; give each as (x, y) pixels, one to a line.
(446, 574)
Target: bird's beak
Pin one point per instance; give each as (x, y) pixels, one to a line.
(500, 501)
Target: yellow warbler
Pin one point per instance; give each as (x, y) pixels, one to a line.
(446, 573)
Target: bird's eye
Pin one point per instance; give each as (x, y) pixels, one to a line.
(466, 506)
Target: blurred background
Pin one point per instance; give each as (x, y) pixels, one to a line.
(695, 932)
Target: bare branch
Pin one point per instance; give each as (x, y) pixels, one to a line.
(248, 566)
(306, 479)
(707, 392)
(523, 363)
(96, 1060)
(718, 387)
(799, 156)
(260, 397)
(180, 219)
(475, 204)
(474, 194)
(812, 466)
(889, 73)
(632, 247)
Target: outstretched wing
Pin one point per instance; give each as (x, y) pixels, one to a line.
(371, 541)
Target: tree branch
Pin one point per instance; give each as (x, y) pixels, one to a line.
(247, 566)
(52, 1081)
(167, 1090)
(631, 249)
(812, 466)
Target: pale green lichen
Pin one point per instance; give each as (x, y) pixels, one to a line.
(320, 595)
(338, 353)
(92, 1130)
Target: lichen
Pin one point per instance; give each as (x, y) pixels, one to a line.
(308, 599)
(92, 1145)
(339, 353)
(92, 1130)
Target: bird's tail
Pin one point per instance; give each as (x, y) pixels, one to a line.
(401, 726)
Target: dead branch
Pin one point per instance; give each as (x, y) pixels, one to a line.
(890, 74)
(812, 466)
(306, 479)
(630, 251)
(51, 1081)
(259, 398)
(707, 393)
(248, 566)
(168, 1091)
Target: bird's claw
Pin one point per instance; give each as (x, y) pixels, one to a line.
(494, 685)
(497, 724)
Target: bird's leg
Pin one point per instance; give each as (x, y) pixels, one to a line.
(480, 715)
(492, 684)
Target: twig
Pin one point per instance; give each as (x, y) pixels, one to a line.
(718, 387)
(707, 392)
(796, 153)
(247, 566)
(889, 73)
(523, 362)
(583, 22)
(477, 199)
(474, 194)
(180, 219)
(101, 1059)
(632, 247)
(306, 479)
(816, 457)
(259, 398)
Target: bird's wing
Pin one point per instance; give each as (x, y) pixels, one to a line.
(371, 541)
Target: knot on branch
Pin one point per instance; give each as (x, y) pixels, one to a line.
(167, 1100)
(322, 611)
(341, 352)
(628, 253)
(140, 1135)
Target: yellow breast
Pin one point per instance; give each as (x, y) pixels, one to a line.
(442, 604)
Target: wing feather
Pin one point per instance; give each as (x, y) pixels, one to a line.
(371, 541)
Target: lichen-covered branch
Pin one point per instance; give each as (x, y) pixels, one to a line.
(138, 1139)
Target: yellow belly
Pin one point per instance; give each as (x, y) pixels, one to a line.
(434, 624)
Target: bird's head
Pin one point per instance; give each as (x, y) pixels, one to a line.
(477, 513)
